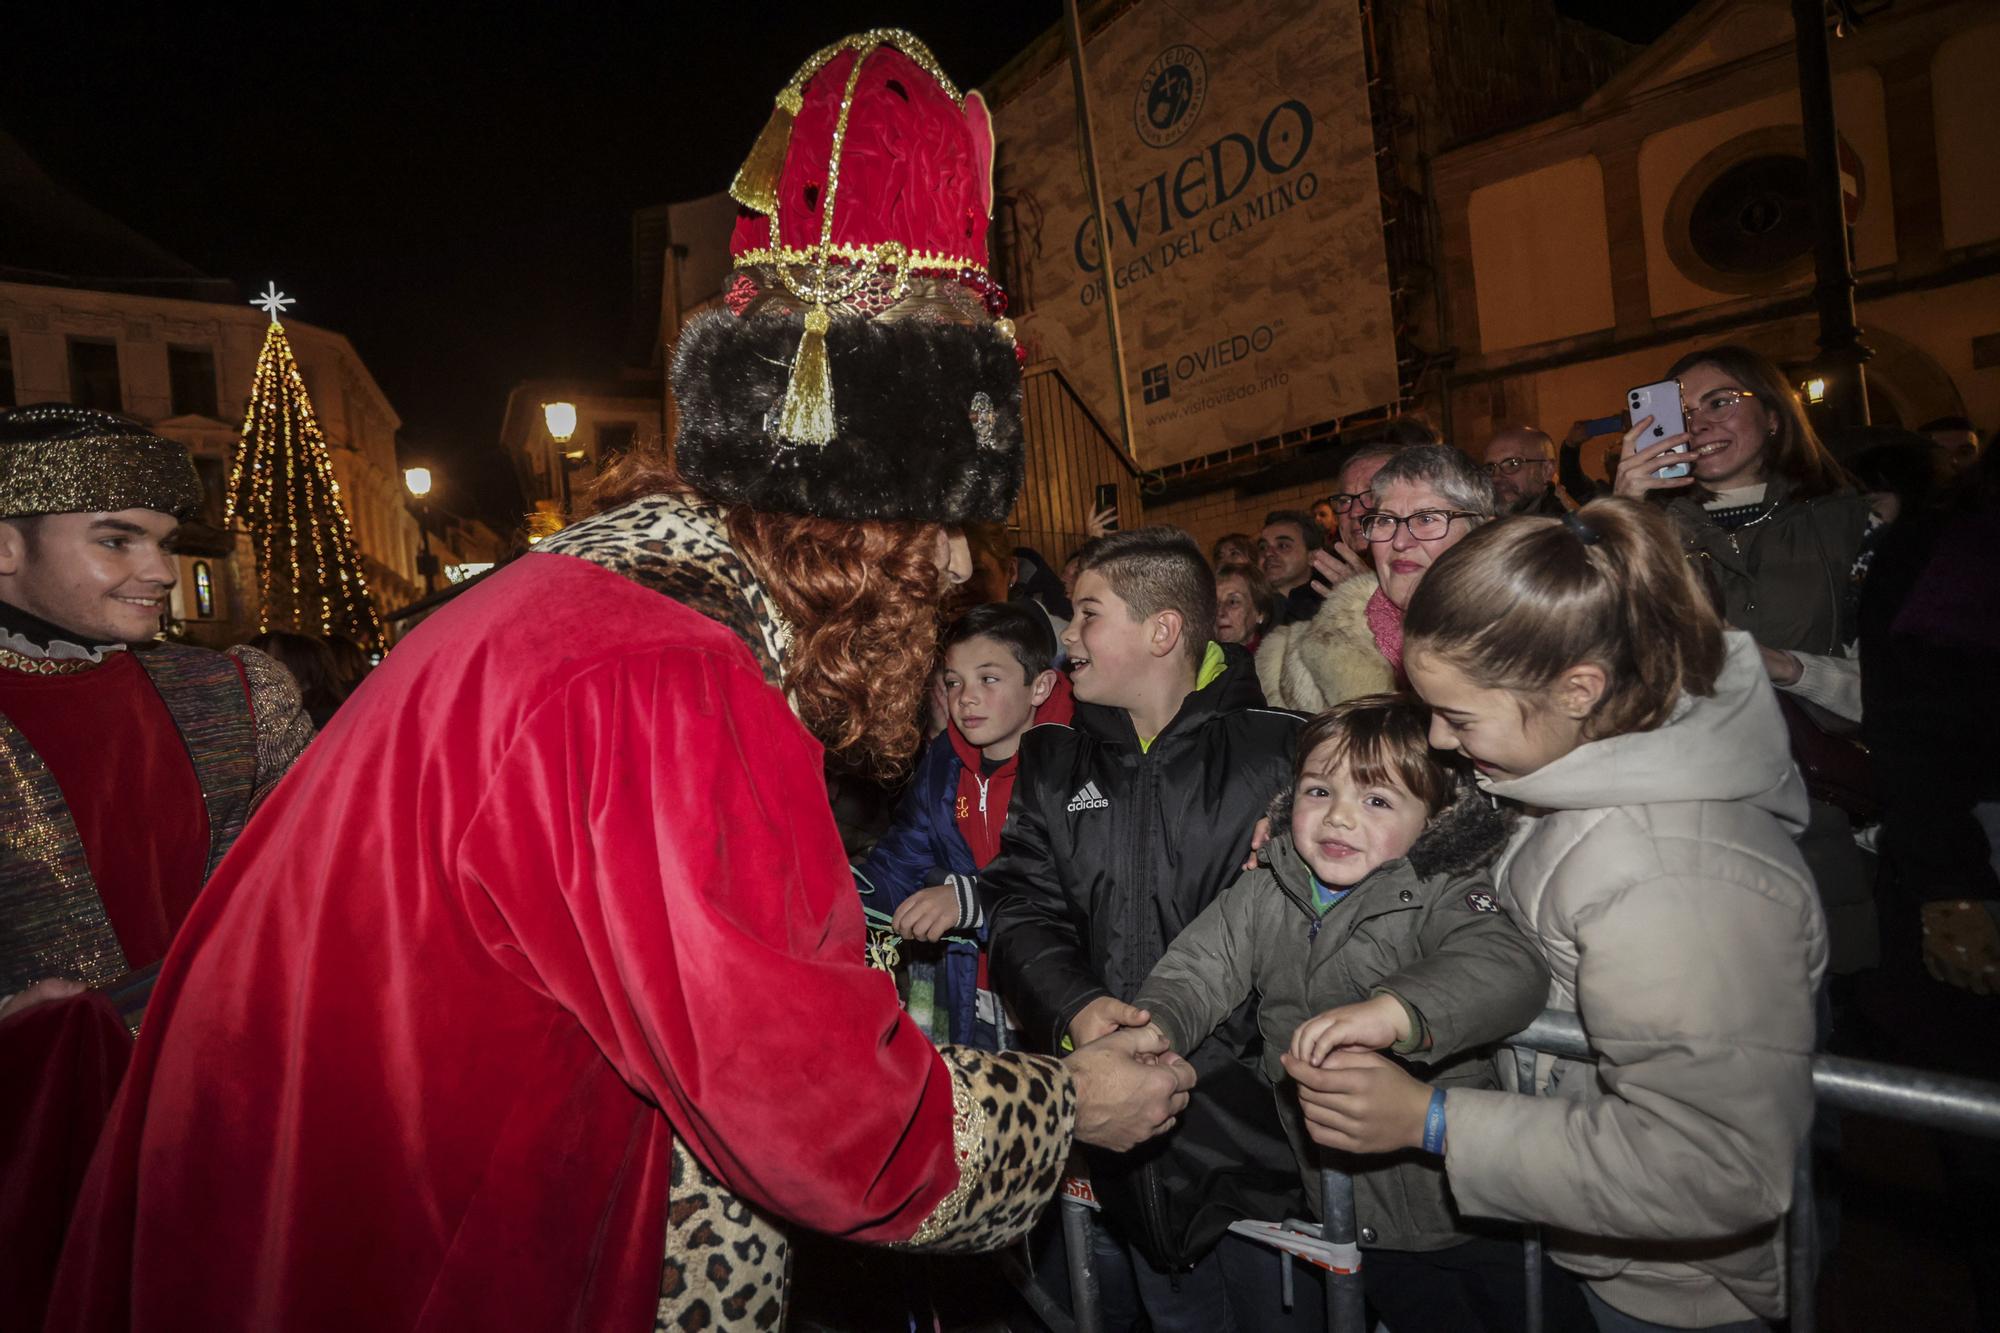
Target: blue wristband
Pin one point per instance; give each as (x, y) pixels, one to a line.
(1434, 1123)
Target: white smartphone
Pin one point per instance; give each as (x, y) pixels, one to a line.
(1662, 402)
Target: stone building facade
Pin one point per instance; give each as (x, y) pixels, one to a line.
(184, 367)
(1567, 213)
(1587, 251)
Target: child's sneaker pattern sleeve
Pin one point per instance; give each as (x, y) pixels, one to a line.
(971, 912)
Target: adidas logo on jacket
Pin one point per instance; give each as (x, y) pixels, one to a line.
(1087, 799)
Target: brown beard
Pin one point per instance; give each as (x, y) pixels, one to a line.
(863, 601)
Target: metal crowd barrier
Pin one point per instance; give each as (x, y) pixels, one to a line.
(1943, 1102)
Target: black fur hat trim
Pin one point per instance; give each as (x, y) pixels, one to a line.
(927, 415)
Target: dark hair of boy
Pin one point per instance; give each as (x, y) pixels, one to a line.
(1309, 533)
(1159, 569)
(1383, 740)
(1023, 629)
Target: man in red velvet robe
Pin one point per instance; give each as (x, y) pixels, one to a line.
(127, 767)
(545, 966)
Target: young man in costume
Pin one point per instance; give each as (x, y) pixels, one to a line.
(547, 964)
(127, 768)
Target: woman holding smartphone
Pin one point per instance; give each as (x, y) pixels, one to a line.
(1776, 525)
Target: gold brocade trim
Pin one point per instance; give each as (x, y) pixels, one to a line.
(45, 666)
(913, 261)
(968, 1149)
(792, 96)
(52, 922)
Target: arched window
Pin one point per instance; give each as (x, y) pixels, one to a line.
(204, 591)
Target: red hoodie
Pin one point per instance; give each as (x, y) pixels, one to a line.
(982, 801)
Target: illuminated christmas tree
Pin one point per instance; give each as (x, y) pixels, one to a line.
(282, 487)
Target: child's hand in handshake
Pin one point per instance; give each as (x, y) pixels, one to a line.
(1373, 1024)
(1105, 1014)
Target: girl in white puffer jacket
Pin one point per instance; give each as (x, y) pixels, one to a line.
(1578, 664)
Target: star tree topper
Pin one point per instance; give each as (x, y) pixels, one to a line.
(272, 301)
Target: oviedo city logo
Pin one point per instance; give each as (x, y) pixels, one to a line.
(1171, 92)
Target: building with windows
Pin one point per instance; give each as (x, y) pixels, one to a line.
(1566, 213)
(605, 420)
(680, 256)
(93, 313)
(184, 368)
(1585, 252)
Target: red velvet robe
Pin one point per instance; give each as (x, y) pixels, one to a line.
(111, 745)
(558, 886)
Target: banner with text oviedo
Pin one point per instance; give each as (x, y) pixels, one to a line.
(1246, 228)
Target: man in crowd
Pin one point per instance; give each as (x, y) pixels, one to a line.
(1521, 460)
(1353, 498)
(1285, 549)
(1958, 437)
(1326, 519)
(1348, 555)
(547, 963)
(130, 767)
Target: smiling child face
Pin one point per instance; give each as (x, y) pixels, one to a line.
(1345, 829)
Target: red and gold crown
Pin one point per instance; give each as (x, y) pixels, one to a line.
(861, 273)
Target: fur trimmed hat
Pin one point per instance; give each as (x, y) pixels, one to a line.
(861, 367)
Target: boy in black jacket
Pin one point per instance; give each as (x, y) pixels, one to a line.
(1122, 828)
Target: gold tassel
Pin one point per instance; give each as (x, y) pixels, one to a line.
(808, 414)
(756, 183)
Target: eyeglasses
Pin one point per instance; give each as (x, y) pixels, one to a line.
(1426, 525)
(1510, 466)
(1718, 405)
(1344, 502)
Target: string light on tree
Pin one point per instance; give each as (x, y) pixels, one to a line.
(282, 487)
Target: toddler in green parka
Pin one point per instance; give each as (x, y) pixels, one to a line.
(1372, 923)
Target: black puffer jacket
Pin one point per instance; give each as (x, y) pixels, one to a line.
(1109, 853)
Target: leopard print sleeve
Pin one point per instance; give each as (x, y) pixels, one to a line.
(1013, 1116)
(728, 1266)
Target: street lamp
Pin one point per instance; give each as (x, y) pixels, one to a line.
(1815, 390)
(418, 480)
(560, 418)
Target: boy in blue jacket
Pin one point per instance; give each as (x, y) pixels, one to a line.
(998, 683)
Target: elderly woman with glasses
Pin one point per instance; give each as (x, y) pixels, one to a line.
(1777, 528)
(1425, 498)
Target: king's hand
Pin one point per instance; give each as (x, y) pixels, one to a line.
(1129, 1088)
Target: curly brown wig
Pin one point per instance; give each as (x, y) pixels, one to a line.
(863, 602)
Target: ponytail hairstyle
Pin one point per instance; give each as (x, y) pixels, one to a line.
(1517, 603)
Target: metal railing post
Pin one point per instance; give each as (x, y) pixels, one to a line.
(1531, 1235)
(1346, 1308)
(1947, 1103)
(1802, 1246)
(1082, 1266)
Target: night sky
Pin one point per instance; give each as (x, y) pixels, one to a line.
(453, 191)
